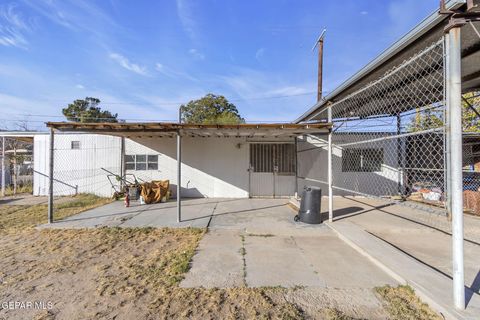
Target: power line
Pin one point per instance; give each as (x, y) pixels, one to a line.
(183, 102)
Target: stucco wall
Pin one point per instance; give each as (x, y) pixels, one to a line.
(212, 167)
(312, 163)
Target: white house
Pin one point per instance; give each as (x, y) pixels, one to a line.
(245, 161)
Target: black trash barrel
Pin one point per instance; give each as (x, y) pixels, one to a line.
(310, 206)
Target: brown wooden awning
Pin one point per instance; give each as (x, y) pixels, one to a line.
(167, 129)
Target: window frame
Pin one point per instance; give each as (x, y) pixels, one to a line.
(145, 164)
(369, 159)
(75, 145)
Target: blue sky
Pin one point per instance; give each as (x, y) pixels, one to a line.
(143, 58)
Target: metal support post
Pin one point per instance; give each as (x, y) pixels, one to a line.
(296, 167)
(179, 168)
(448, 160)
(455, 136)
(50, 177)
(399, 157)
(330, 170)
(3, 167)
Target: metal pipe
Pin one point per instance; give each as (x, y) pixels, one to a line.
(50, 177)
(448, 160)
(399, 157)
(3, 167)
(179, 168)
(455, 101)
(330, 170)
(296, 167)
(123, 167)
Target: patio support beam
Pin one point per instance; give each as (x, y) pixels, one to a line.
(330, 170)
(50, 176)
(454, 85)
(179, 176)
(3, 167)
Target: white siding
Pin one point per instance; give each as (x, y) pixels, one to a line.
(80, 167)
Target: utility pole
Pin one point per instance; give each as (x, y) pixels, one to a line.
(319, 42)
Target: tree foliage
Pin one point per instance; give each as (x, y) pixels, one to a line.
(211, 109)
(87, 110)
(430, 119)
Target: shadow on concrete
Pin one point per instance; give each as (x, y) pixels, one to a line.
(233, 212)
(156, 207)
(379, 208)
(469, 291)
(474, 289)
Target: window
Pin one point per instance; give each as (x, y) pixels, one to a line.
(75, 145)
(129, 162)
(362, 160)
(152, 163)
(141, 162)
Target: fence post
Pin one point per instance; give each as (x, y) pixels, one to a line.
(50, 177)
(3, 167)
(448, 160)
(456, 158)
(330, 169)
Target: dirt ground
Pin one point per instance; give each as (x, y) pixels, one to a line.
(133, 273)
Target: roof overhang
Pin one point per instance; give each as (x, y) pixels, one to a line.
(165, 129)
(427, 32)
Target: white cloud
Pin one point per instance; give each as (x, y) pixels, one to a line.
(186, 16)
(196, 54)
(79, 86)
(363, 13)
(171, 73)
(259, 54)
(13, 27)
(125, 63)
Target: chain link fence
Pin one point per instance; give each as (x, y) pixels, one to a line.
(80, 162)
(17, 167)
(389, 139)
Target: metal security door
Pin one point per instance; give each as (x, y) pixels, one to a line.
(272, 169)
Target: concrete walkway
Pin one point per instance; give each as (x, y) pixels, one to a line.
(415, 248)
(250, 242)
(260, 245)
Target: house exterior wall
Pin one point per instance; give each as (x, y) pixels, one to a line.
(211, 167)
(76, 168)
(313, 159)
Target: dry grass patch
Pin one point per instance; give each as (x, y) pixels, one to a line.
(122, 273)
(402, 303)
(20, 217)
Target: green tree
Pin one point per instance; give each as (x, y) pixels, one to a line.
(470, 118)
(211, 109)
(87, 110)
(429, 119)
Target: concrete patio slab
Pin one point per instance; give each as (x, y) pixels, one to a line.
(433, 287)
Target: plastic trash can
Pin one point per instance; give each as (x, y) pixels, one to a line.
(310, 206)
